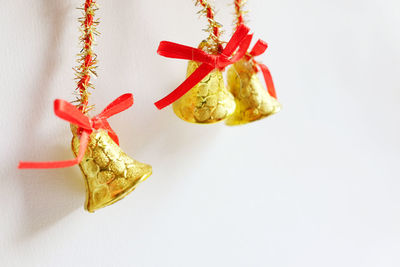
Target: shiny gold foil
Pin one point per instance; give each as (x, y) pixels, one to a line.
(207, 102)
(109, 173)
(253, 101)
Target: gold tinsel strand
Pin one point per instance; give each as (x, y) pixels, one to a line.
(213, 43)
(87, 59)
(240, 12)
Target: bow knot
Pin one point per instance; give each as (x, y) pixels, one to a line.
(221, 61)
(98, 122)
(239, 43)
(86, 126)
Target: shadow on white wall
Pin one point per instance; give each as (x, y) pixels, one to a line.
(49, 195)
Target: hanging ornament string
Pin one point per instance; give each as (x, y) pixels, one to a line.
(87, 59)
(239, 12)
(259, 48)
(214, 43)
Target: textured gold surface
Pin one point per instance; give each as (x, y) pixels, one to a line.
(208, 102)
(109, 173)
(253, 101)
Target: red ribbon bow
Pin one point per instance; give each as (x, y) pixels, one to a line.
(70, 113)
(240, 41)
(259, 48)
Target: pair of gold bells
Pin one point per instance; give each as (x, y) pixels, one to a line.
(243, 100)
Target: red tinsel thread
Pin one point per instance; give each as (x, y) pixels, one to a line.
(87, 57)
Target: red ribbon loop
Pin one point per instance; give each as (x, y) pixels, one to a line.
(239, 43)
(71, 114)
(259, 48)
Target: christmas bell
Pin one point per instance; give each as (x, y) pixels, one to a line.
(253, 102)
(109, 173)
(207, 102)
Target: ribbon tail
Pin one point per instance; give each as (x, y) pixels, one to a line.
(118, 105)
(268, 80)
(259, 48)
(47, 165)
(84, 140)
(188, 84)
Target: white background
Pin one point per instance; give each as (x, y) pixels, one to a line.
(316, 185)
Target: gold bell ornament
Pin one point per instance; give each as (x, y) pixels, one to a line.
(203, 97)
(209, 101)
(253, 102)
(109, 173)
